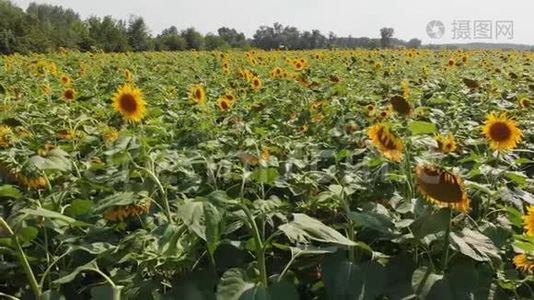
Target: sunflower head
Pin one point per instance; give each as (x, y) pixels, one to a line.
(66, 134)
(65, 79)
(6, 136)
(524, 102)
(386, 142)
(501, 132)
(129, 102)
(528, 221)
(109, 134)
(441, 187)
(451, 62)
(524, 262)
(224, 104)
(198, 94)
(446, 143)
(256, 83)
(401, 106)
(69, 94)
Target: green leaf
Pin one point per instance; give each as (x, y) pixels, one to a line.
(41, 212)
(283, 290)
(72, 275)
(255, 293)
(421, 127)
(517, 177)
(202, 218)
(265, 175)
(118, 199)
(371, 220)
(52, 295)
(346, 280)
(80, 207)
(9, 191)
(233, 284)
(28, 233)
(432, 223)
(304, 229)
(423, 279)
(475, 245)
(56, 159)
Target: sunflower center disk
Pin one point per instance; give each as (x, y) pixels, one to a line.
(500, 132)
(128, 103)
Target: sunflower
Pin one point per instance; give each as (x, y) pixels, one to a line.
(524, 102)
(120, 213)
(528, 221)
(224, 104)
(45, 88)
(198, 94)
(405, 87)
(400, 105)
(128, 75)
(6, 136)
(451, 62)
(69, 94)
(386, 142)
(442, 187)
(524, 263)
(65, 79)
(501, 132)
(256, 83)
(446, 144)
(109, 135)
(66, 134)
(129, 102)
(277, 72)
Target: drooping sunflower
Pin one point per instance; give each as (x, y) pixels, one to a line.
(69, 94)
(119, 213)
(129, 102)
(198, 94)
(400, 105)
(501, 132)
(386, 142)
(524, 262)
(528, 221)
(446, 143)
(442, 187)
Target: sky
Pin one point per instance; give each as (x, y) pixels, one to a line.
(357, 18)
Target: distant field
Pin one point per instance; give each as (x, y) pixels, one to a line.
(328, 174)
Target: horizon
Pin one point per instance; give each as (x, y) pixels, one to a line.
(315, 14)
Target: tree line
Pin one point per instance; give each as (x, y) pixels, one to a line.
(44, 28)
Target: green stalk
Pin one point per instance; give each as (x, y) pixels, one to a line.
(23, 260)
(260, 251)
(446, 242)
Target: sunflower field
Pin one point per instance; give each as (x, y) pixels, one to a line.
(325, 174)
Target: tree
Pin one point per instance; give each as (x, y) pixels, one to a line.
(138, 36)
(212, 42)
(414, 43)
(386, 34)
(170, 40)
(108, 34)
(232, 37)
(193, 38)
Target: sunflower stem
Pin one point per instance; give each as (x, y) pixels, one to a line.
(446, 242)
(23, 260)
